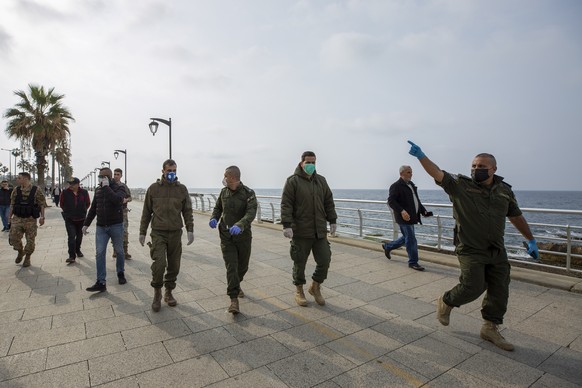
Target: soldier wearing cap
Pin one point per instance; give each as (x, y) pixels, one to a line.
(74, 202)
(27, 203)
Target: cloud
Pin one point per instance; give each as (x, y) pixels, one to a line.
(350, 48)
(5, 41)
(37, 12)
(375, 124)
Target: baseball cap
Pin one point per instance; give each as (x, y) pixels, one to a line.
(74, 180)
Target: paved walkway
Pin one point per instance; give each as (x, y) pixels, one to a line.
(378, 328)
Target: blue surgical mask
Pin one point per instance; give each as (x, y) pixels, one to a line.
(171, 176)
(309, 168)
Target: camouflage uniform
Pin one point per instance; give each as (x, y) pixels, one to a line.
(24, 226)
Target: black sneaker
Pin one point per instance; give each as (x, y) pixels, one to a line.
(121, 278)
(100, 287)
(386, 251)
(70, 260)
(80, 254)
(416, 266)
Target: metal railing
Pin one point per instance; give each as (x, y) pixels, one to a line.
(372, 220)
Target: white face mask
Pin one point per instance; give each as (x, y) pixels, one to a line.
(224, 182)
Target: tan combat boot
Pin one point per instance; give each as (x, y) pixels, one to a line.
(241, 293)
(26, 262)
(169, 298)
(300, 296)
(157, 303)
(490, 332)
(315, 290)
(233, 308)
(19, 257)
(443, 312)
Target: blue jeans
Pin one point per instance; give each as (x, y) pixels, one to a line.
(409, 239)
(102, 236)
(4, 214)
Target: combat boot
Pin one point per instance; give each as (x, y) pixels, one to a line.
(26, 262)
(233, 308)
(169, 298)
(443, 312)
(315, 290)
(127, 255)
(19, 257)
(157, 303)
(490, 332)
(300, 296)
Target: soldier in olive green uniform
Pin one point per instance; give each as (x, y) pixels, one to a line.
(480, 205)
(24, 210)
(306, 208)
(167, 201)
(234, 213)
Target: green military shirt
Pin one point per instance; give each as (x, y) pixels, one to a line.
(238, 207)
(480, 212)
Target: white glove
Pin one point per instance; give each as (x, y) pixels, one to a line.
(288, 232)
(190, 238)
(104, 181)
(84, 230)
(142, 239)
(332, 229)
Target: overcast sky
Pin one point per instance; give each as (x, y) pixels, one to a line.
(256, 83)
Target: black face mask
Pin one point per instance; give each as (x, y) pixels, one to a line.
(480, 174)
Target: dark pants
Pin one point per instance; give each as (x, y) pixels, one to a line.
(75, 236)
(300, 249)
(166, 253)
(236, 254)
(479, 272)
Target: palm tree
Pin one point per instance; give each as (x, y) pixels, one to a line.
(39, 121)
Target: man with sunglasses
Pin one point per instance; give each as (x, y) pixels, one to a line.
(166, 203)
(107, 207)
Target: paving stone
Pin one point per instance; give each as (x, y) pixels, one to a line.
(84, 316)
(551, 381)
(199, 343)
(257, 378)
(26, 341)
(383, 372)
(5, 342)
(250, 355)
(257, 327)
(403, 330)
(310, 335)
(351, 321)
(116, 324)
(195, 372)
(127, 382)
(456, 378)
(74, 376)
(404, 306)
(566, 364)
(312, 367)
(15, 327)
(362, 291)
(11, 316)
(363, 346)
(22, 364)
(50, 310)
(498, 370)
(140, 336)
(130, 362)
(84, 350)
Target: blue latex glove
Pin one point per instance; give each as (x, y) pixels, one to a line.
(234, 230)
(415, 150)
(213, 223)
(532, 249)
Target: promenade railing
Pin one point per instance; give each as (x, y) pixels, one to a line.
(372, 220)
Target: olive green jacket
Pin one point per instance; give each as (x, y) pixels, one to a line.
(238, 207)
(307, 205)
(165, 205)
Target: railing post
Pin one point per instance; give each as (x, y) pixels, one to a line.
(272, 212)
(259, 212)
(361, 222)
(568, 247)
(439, 232)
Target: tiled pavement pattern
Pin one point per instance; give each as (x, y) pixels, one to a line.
(378, 328)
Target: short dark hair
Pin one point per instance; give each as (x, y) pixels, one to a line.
(118, 170)
(105, 171)
(168, 162)
(24, 174)
(486, 155)
(306, 154)
(4, 181)
(233, 171)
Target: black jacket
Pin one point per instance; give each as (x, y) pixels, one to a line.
(400, 197)
(5, 197)
(74, 206)
(107, 205)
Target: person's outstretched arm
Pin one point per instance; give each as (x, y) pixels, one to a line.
(429, 166)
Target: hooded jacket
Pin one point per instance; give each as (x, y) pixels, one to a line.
(165, 204)
(307, 205)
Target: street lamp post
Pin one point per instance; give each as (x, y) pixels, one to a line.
(154, 128)
(9, 159)
(116, 154)
(103, 163)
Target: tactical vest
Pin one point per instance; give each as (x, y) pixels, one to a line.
(28, 208)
